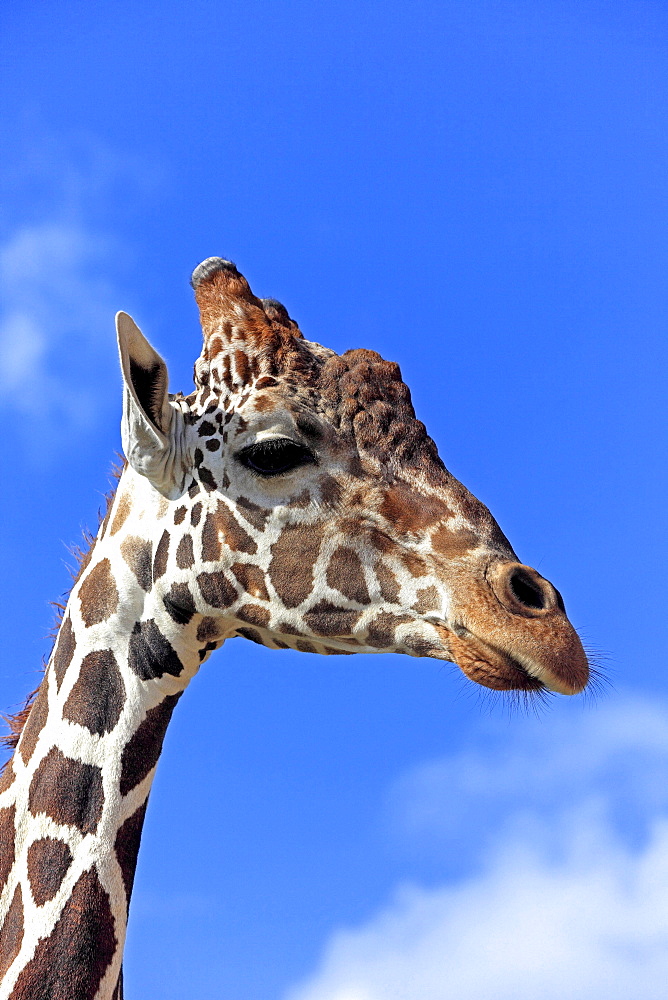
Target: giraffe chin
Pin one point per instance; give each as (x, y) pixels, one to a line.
(497, 669)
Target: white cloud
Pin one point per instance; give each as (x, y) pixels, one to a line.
(616, 755)
(569, 895)
(57, 295)
(56, 325)
(22, 349)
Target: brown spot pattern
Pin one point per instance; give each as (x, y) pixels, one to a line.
(331, 491)
(68, 791)
(381, 633)
(263, 403)
(98, 596)
(250, 633)
(223, 523)
(185, 557)
(179, 515)
(327, 619)
(254, 514)
(160, 558)
(426, 600)
(211, 547)
(126, 847)
(389, 585)
(179, 603)
(287, 628)
(12, 938)
(123, 508)
(251, 579)
(98, 696)
(346, 574)
(6, 776)
(302, 499)
(142, 752)
(414, 563)
(454, 543)
(48, 863)
(254, 615)
(150, 654)
(242, 366)
(411, 511)
(64, 651)
(207, 479)
(379, 541)
(216, 589)
(70, 963)
(293, 557)
(35, 722)
(208, 628)
(419, 644)
(195, 514)
(137, 554)
(7, 838)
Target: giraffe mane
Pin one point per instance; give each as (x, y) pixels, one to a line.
(15, 721)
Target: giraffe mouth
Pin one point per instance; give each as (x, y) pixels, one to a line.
(493, 667)
(503, 670)
(490, 666)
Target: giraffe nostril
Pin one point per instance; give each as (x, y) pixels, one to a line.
(528, 592)
(560, 601)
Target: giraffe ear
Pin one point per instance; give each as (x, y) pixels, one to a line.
(152, 429)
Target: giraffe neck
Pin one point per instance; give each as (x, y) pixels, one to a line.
(74, 794)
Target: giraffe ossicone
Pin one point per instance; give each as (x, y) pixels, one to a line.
(292, 499)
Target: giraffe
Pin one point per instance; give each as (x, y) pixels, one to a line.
(292, 499)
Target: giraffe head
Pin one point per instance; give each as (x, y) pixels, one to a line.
(310, 509)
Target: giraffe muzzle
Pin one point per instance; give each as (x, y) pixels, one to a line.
(513, 634)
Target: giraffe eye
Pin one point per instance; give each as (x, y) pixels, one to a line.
(276, 456)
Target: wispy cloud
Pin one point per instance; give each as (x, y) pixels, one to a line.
(568, 893)
(59, 253)
(615, 756)
(56, 322)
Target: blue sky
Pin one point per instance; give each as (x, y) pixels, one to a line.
(478, 191)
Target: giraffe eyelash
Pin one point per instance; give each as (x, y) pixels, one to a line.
(275, 457)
